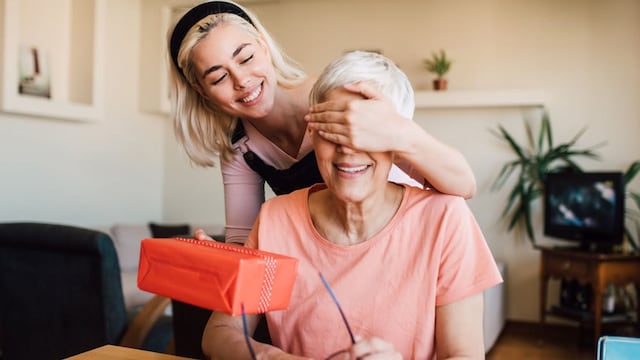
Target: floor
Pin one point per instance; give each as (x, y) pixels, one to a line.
(523, 340)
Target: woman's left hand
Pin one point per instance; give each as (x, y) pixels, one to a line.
(373, 349)
(370, 124)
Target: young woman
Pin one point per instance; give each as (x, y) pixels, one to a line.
(407, 266)
(238, 97)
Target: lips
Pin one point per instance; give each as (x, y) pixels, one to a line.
(254, 95)
(352, 169)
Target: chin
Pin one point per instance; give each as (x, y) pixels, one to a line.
(353, 195)
(257, 112)
(263, 109)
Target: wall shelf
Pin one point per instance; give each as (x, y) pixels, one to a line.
(478, 98)
(53, 70)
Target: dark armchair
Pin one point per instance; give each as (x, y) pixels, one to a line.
(61, 294)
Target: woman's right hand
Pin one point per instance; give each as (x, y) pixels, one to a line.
(201, 235)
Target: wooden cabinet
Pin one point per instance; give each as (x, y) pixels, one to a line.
(595, 269)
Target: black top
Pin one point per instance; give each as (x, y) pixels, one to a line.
(302, 174)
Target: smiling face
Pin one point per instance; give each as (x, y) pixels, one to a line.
(351, 175)
(234, 72)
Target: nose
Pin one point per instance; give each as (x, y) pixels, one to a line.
(345, 149)
(240, 78)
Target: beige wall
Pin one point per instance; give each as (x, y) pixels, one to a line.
(584, 55)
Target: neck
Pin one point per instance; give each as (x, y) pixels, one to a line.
(284, 125)
(350, 223)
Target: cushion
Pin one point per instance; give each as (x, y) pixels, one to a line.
(127, 241)
(169, 230)
(133, 297)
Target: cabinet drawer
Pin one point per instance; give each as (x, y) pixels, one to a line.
(566, 267)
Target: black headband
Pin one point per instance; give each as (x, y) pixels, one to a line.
(196, 14)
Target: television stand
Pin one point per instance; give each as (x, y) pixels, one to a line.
(597, 269)
(587, 247)
(568, 248)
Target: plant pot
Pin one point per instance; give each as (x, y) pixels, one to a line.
(440, 84)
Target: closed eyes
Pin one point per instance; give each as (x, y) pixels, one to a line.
(247, 59)
(224, 76)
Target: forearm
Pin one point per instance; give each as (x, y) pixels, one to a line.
(230, 344)
(219, 342)
(223, 338)
(443, 167)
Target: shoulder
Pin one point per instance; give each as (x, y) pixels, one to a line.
(297, 197)
(434, 200)
(235, 166)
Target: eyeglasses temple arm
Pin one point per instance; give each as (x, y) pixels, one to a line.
(335, 300)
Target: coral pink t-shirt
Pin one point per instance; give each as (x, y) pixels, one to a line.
(431, 253)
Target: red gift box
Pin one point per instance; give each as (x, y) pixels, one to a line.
(216, 276)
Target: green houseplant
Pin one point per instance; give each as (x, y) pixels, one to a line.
(438, 64)
(539, 157)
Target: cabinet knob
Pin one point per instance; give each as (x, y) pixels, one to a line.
(566, 265)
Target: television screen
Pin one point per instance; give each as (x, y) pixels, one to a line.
(585, 207)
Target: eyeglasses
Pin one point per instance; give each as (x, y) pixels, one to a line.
(344, 318)
(335, 300)
(246, 333)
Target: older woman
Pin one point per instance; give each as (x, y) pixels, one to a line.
(407, 265)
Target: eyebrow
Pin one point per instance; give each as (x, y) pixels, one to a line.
(216, 67)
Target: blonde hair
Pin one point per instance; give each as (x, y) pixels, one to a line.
(205, 131)
(370, 67)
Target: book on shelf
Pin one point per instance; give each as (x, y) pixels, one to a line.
(33, 72)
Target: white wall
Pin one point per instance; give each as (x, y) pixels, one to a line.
(89, 173)
(584, 54)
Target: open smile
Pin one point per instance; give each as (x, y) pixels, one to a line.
(352, 169)
(253, 95)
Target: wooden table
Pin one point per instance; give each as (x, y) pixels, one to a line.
(596, 269)
(112, 352)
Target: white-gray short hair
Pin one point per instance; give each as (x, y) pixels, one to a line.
(370, 67)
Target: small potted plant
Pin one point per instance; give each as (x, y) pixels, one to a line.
(438, 64)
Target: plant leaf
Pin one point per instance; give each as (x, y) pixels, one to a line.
(514, 145)
(631, 172)
(505, 174)
(513, 198)
(632, 240)
(546, 123)
(635, 197)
